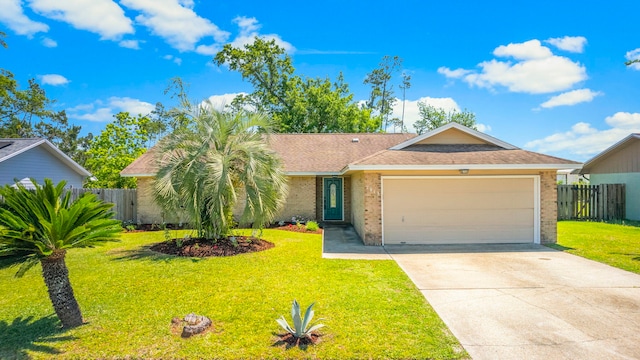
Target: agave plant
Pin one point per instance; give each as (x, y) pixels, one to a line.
(301, 325)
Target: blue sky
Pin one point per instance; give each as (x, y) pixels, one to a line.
(547, 76)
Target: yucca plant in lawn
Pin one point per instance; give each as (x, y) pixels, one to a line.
(40, 225)
(207, 164)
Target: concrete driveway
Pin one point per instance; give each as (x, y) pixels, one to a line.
(528, 301)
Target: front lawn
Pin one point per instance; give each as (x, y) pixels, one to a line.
(616, 245)
(129, 295)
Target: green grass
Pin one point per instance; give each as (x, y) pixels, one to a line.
(129, 295)
(614, 244)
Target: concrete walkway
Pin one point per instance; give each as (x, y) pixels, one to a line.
(342, 242)
(520, 301)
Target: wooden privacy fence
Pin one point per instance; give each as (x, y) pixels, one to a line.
(124, 200)
(591, 202)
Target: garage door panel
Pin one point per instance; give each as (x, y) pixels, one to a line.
(497, 217)
(445, 235)
(469, 210)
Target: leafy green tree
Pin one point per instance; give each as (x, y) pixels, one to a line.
(118, 145)
(381, 98)
(206, 165)
(432, 118)
(295, 104)
(41, 225)
(2, 42)
(27, 113)
(630, 62)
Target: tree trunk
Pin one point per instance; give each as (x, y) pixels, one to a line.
(56, 277)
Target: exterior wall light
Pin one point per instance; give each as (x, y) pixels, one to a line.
(464, 171)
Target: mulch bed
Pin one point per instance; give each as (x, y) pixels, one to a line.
(197, 247)
(295, 228)
(291, 341)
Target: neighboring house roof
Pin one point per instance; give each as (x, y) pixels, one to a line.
(452, 146)
(598, 159)
(14, 147)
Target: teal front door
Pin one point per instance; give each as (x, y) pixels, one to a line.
(333, 199)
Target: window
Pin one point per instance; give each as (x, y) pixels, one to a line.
(333, 196)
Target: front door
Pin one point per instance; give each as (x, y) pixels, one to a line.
(333, 198)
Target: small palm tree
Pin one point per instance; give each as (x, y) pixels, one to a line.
(207, 164)
(40, 225)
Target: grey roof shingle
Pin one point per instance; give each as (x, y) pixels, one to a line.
(9, 147)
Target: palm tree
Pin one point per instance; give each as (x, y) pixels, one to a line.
(207, 164)
(40, 225)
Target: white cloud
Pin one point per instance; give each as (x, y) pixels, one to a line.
(536, 70)
(130, 44)
(569, 43)
(100, 111)
(584, 141)
(412, 114)
(571, 98)
(249, 30)
(483, 128)
(175, 59)
(455, 74)
(15, 19)
(220, 101)
(634, 55)
(103, 17)
(176, 22)
(208, 49)
(53, 79)
(527, 50)
(48, 42)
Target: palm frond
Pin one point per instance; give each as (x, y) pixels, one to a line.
(38, 222)
(204, 167)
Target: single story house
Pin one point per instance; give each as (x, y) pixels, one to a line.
(619, 164)
(22, 159)
(447, 186)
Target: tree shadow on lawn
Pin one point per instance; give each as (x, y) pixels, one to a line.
(13, 260)
(633, 256)
(23, 335)
(145, 253)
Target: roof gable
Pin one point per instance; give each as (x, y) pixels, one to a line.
(454, 134)
(10, 148)
(610, 151)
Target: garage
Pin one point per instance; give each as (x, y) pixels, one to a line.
(460, 210)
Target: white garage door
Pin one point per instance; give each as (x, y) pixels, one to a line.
(459, 210)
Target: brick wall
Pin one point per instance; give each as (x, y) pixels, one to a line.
(346, 201)
(357, 203)
(148, 211)
(372, 209)
(319, 200)
(548, 207)
(301, 200)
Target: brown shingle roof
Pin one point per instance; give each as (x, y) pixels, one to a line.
(145, 165)
(300, 153)
(329, 152)
(459, 154)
